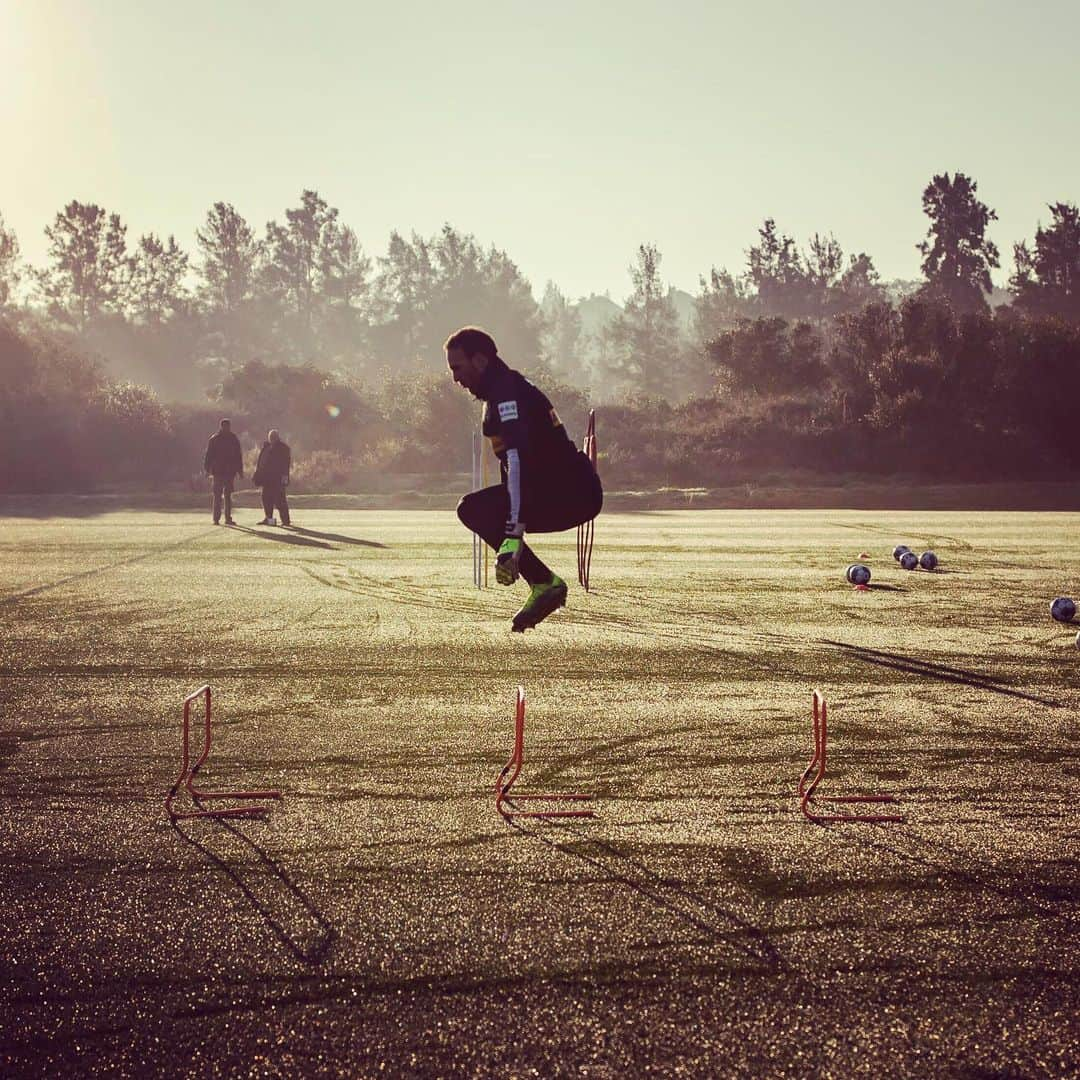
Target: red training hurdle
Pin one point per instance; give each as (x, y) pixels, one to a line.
(188, 771)
(513, 768)
(816, 767)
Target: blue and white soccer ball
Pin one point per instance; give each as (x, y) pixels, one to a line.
(1063, 609)
(909, 560)
(928, 560)
(899, 550)
(858, 574)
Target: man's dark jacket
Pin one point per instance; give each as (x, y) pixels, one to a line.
(223, 456)
(274, 462)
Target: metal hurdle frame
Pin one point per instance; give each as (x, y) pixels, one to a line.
(511, 771)
(188, 771)
(586, 531)
(816, 769)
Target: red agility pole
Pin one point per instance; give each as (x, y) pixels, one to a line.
(816, 767)
(585, 531)
(512, 769)
(188, 771)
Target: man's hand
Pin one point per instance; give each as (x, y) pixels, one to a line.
(507, 569)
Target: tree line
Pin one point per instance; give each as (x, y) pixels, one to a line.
(803, 359)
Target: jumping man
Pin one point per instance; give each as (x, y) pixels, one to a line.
(548, 484)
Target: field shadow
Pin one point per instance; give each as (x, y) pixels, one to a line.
(945, 861)
(334, 536)
(602, 752)
(282, 905)
(82, 575)
(716, 922)
(284, 538)
(935, 671)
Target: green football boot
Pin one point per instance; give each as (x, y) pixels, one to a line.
(543, 600)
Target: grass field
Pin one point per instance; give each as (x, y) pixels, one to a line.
(384, 920)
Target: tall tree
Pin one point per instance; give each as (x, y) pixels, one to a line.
(1047, 280)
(404, 288)
(777, 272)
(344, 269)
(10, 273)
(427, 288)
(645, 338)
(295, 256)
(957, 256)
(561, 340)
(228, 290)
(499, 297)
(156, 288)
(768, 355)
(344, 272)
(89, 270)
(723, 300)
(824, 264)
(859, 285)
(230, 255)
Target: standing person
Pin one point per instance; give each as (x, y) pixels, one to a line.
(548, 484)
(272, 474)
(223, 461)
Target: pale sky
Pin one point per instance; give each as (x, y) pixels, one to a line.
(566, 133)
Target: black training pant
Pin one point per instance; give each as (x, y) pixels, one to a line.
(273, 498)
(577, 499)
(222, 489)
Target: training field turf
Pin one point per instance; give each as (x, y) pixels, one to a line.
(384, 920)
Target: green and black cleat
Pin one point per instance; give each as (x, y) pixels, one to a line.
(543, 600)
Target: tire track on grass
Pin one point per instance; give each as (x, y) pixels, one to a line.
(83, 574)
(418, 596)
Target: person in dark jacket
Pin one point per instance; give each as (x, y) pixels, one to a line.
(547, 482)
(223, 462)
(272, 475)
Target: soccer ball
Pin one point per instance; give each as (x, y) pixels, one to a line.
(1063, 609)
(899, 550)
(928, 560)
(858, 574)
(909, 560)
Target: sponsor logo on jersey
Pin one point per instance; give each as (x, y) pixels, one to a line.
(508, 410)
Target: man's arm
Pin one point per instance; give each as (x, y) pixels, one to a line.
(515, 435)
(515, 527)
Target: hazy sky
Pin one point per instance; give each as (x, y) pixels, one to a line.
(565, 133)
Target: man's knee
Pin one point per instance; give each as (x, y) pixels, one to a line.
(466, 510)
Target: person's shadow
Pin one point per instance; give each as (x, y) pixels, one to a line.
(334, 536)
(284, 538)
